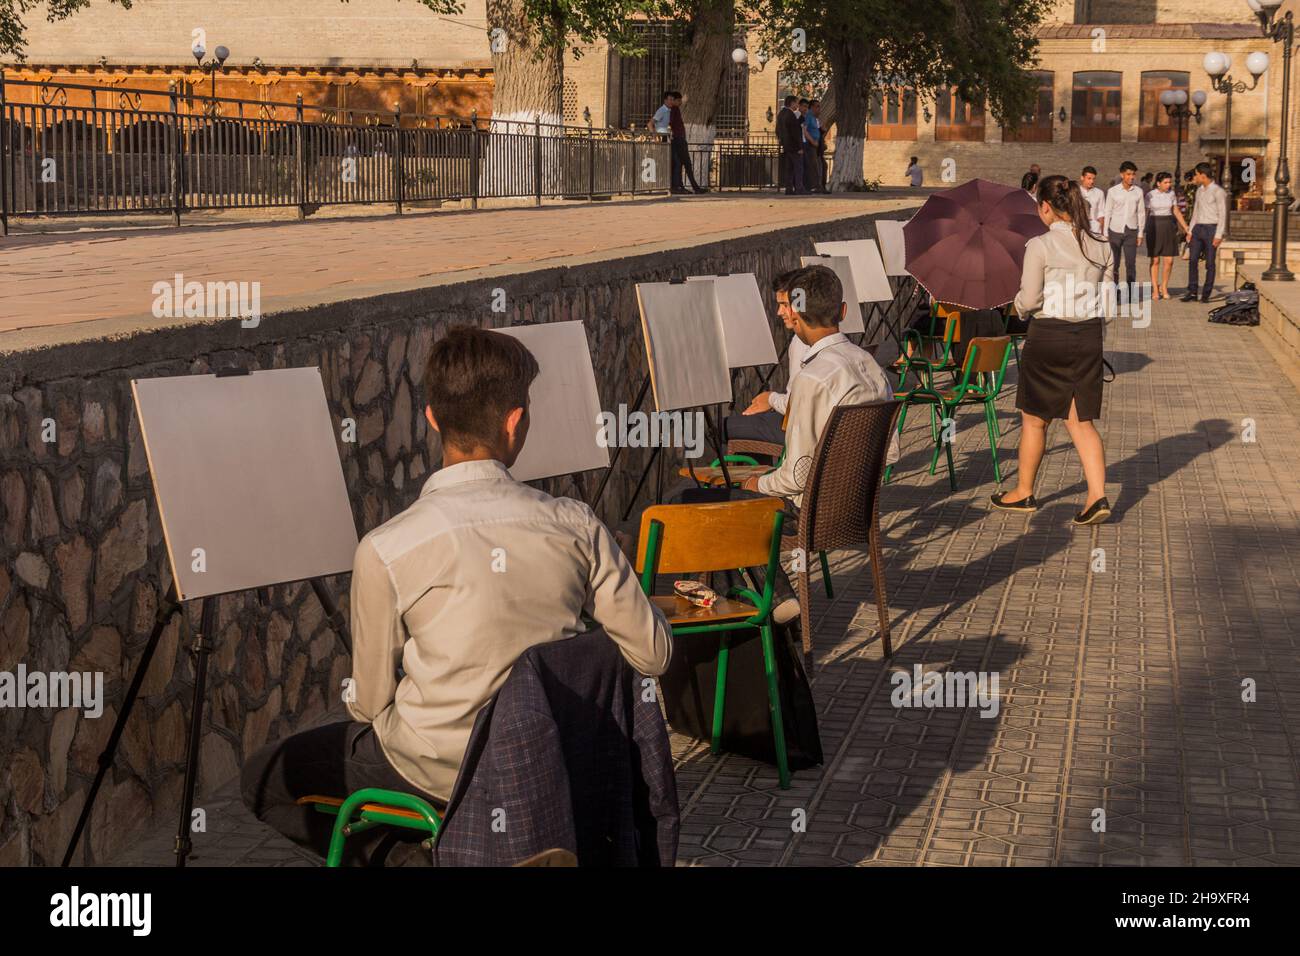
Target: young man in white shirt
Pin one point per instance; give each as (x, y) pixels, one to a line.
(832, 372)
(1205, 231)
(1126, 216)
(1096, 199)
(448, 594)
(663, 116)
(763, 419)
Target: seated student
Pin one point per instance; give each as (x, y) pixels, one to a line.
(764, 418)
(452, 591)
(832, 372)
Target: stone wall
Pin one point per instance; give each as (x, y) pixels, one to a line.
(82, 561)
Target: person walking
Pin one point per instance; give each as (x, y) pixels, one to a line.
(789, 134)
(1125, 217)
(1096, 197)
(1061, 361)
(1029, 183)
(1205, 232)
(914, 174)
(1161, 238)
(680, 152)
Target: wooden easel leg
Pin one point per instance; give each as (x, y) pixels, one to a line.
(200, 649)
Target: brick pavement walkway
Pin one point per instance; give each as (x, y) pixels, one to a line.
(1120, 689)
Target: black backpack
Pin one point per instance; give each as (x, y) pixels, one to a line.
(1239, 308)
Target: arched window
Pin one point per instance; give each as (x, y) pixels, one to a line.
(1095, 112)
(1154, 124)
(1036, 125)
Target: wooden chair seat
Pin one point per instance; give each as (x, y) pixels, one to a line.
(679, 611)
(714, 476)
(332, 804)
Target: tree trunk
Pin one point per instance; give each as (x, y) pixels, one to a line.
(528, 87)
(703, 71)
(850, 87)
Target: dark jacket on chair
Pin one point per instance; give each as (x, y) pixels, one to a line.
(569, 754)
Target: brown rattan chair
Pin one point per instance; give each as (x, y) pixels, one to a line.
(841, 499)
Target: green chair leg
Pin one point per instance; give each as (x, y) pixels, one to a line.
(952, 472)
(774, 706)
(720, 693)
(345, 826)
(990, 416)
(826, 575)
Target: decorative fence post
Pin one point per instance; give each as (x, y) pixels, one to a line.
(398, 165)
(6, 156)
(634, 168)
(177, 165)
(473, 160)
(591, 162)
(299, 161)
(537, 158)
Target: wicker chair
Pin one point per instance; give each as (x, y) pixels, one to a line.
(841, 499)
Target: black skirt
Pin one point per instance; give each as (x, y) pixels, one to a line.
(1060, 363)
(1162, 236)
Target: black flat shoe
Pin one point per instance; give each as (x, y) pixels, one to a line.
(1096, 514)
(1025, 505)
(1189, 297)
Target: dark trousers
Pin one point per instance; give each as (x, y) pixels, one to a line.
(333, 761)
(792, 170)
(1202, 244)
(681, 159)
(812, 175)
(1125, 243)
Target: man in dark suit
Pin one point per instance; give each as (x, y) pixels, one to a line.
(789, 134)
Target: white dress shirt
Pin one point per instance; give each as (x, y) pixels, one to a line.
(457, 586)
(795, 355)
(1210, 208)
(1125, 209)
(833, 372)
(1058, 281)
(1096, 198)
(663, 120)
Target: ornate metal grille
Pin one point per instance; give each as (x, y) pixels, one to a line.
(643, 79)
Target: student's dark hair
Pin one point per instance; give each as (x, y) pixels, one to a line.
(782, 282)
(1065, 196)
(1089, 169)
(1028, 181)
(812, 103)
(668, 93)
(1127, 165)
(823, 295)
(791, 99)
(1205, 169)
(677, 94)
(1162, 176)
(912, 161)
(802, 101)
(473, 380)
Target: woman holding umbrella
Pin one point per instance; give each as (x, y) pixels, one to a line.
(1061, 363)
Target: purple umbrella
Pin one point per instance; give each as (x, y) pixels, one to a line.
(966, 245)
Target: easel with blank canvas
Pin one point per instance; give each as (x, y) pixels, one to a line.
(250, 491)
(869, 280)
(563, 439)
(893, 251)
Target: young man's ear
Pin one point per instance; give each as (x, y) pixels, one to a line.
(512, 421)
(844, 310)
(428, 415)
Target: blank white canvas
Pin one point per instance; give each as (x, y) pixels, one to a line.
(745, 332)
(841, 267)
(684, 344)
(564, 407)
(892, 248)
(248, 480)
(868, 271)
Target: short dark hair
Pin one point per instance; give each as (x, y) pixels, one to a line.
(823, 295)
(676, 94)
(1089, 169)
(1127, 165)
(668, 93)
(1162, 176)
(791, 99)
(1205, 169)
(474, 379)
(812, 103)
(802, 101)
(782, 282)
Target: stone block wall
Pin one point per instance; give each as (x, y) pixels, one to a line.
(82, 559)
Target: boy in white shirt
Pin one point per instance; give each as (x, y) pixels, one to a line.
(1096, 199)
(1125, 216)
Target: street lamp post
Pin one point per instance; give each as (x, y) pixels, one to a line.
(1216, 66)
(1279, 31)
(220, 55)
(1175, 104)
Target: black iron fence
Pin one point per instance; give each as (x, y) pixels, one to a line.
(69, 149)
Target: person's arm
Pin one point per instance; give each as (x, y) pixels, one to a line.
(1108, 206)
(1178, 215)
(1030, 297)
(1223, 216)
(1142, 216)
(616, 602)
(377, 635)
(800, 441)
(778, 401)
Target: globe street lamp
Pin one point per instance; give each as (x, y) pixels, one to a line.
(1279, 30)
(1216, 66)
(1175, 104)
(221, 54)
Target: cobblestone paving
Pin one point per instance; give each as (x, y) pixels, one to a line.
(1121, 689)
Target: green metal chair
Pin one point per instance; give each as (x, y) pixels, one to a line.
(983, 371)
(925, 354)
(369, 808)
(722, 536)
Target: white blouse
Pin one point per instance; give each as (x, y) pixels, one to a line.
(1058, 281)
(1161, 203)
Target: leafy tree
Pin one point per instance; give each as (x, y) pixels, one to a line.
(983, 48)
